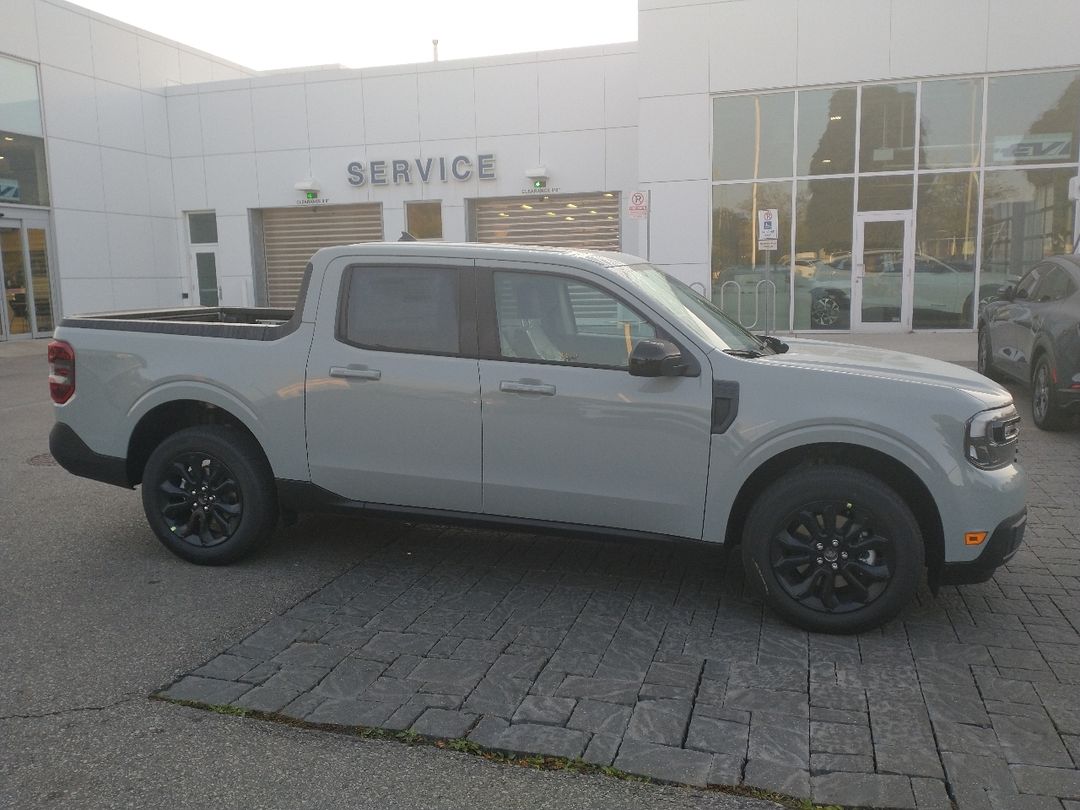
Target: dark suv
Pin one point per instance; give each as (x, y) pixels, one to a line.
(1032, 333)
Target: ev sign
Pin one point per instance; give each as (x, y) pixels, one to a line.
(768, 229)
(637, 206)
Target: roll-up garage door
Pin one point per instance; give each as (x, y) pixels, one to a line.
(554, 220)
(291, 235)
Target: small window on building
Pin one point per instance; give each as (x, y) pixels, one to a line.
(202, 228)
(402, 309)
(424, 219)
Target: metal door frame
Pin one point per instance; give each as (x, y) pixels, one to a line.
(858, 268)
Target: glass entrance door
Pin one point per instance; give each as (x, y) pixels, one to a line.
(27, 307)
(883, 271)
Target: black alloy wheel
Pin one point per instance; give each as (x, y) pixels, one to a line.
(208, 494)
(1044, 410)
(834, 549)
(985, 362)
(200, 501)
(825, 312)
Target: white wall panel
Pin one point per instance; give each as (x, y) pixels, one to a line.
(574, 159)
(452, 191)
(827, 55)
(673, 138)
(80, 295)
(328, 166)
(120, 121)
(335, 113)
(155, 118)
(620, 159)
(925, 41)
(64, 39)
(167, 259)
(160, 186)
(280, 117)
(571, 94)
(621, 90)
(189, 183)
(679, 227)
(231, 183)
(194, 68)
(159, 64)
(234, 248)
(82, 243)
(447, 108)
(453, 223)
(226, 122)
(70, 105)
(751, 48)
(116, 53)
(500, 111)
(278, 173)
(75, 175)
(134, 293)
(390, 109)
(674, 50)
(515, 154)
(185, 125)
(18, 34)
(1033, 33)
(126, 185)
(131, 247)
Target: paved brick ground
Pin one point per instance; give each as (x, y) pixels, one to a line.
(654, 658)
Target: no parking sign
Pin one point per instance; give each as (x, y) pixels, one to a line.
(768, 228)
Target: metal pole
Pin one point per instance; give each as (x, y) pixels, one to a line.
(768, 279)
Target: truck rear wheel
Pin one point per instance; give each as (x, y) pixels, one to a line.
(835, 549)
(208, 494)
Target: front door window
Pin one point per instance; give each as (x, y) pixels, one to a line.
(883, 271)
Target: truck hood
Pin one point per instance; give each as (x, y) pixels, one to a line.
(847, 358)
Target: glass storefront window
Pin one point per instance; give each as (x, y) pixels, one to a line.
(951, 121)
(1033, 118)
(748, 290)
(945, 232)
(887, 193)
(753, 136)
(1027, 214)
(826, 131)
(822, 249)
(887, 128)
(22, 169)
(20, 107)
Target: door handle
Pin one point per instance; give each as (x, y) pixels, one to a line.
(355, 373)
(527, 388)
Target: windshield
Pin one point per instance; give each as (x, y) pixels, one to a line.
(693, 311)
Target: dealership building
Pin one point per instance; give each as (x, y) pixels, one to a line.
(887, 180)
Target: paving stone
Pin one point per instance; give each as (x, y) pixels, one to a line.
(472, 649)
(267, 699)
(600, 718)
(765, 700)
(604, 689)
(206, 690)
(295, 678)
(348, 636)
(965, 739)
(489, 732)
(601, 749)
(349, 678)
(530, 738)
(415, 706)
(402, 667)
(908, 760)
(304, 705)
(839, 716)
(726, 769)
(351, 712)
(680, 675)
(277, 634)
(547, 685)
(1031, 741)
(1011, 801)
(785, 745)
(659, 721)
(664, 762)
(773, 776)
(498, 696)
(548, 711)
(930, 794)
(1047, 781)
(849, 763)
(987, 773)
(387, 645)
(446, 723)
(448, 673)
(716, 735)
(259, 673)
(310, 655)
(839, 738)
(226, 667)
(862, 789)
(394, 690)
(574, 662)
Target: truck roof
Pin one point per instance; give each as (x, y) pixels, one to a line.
(478, 250)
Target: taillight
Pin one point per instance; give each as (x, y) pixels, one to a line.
(61, 371)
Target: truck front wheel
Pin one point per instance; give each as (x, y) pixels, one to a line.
(208, 494)
(834, 549)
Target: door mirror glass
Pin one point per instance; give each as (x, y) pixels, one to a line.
(1020, 293)
(657, 358)
(1006, 292)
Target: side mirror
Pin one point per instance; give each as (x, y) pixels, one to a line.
(775, 343)
(1007, 292)
(657, 358)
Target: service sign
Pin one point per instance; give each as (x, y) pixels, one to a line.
(1042, 148)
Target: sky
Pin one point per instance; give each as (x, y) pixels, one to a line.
(272, 34)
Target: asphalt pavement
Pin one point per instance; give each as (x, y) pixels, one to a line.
(95, 616)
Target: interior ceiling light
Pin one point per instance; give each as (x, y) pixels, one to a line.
(526, 205)
(571, 205)
(826, 160)
(569, 217)
(591, 211)
(8, 138)
(503, 214)
(551, 213)
(608, 194)
(835, 117)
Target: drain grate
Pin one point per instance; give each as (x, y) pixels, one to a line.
(42, 460)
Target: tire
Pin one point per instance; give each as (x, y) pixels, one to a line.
(856, 525)
(985, 358)
(209, 495)
(1044, 407)
(826, 311)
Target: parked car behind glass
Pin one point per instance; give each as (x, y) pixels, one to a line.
(1032, 334)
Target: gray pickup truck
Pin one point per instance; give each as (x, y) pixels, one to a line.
(548, 390)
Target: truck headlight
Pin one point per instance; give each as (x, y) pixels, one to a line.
(992, 438)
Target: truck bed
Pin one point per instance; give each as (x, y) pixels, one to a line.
(245, 323)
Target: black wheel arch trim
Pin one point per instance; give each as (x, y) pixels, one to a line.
(1002, 544)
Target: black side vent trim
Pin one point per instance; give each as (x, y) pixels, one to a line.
(725, 404)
